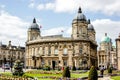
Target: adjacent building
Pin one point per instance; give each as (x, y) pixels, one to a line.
(107, 53)
(118, 51)
(10, 53)
(57, 51)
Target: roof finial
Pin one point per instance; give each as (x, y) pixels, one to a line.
(34, 20)
(88, 21)
(79, 10)
(105, 34)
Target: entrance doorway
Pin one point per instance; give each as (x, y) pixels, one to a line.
(53, 65)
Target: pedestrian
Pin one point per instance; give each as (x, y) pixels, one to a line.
(102, 71)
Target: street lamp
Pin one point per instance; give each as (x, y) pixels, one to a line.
(10, 48)
(11, 56)
(4, 60)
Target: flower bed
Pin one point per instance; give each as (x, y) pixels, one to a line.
(10, 77)
(49, 75)
(43, 72)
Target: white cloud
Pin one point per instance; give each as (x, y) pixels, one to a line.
(53, 31)
(110, 7)
(31, 5)
(2, 6)
(40, 6)
(103, 26)
(12, 28)
(49, 6)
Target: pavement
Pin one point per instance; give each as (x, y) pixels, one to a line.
(105, 77)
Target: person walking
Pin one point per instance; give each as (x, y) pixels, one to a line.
(102, 70)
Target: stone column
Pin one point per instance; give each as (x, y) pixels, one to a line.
(60, 55)
(70, 52)
(77, 63)
(104, 59)
(46, 50)
(98, 60)
(101, 59)
(52, 50)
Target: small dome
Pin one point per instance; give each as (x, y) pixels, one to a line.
(90, 26)
(34, 25)
(105, 39)
(80, 16)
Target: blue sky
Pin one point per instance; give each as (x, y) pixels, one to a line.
(56, 15)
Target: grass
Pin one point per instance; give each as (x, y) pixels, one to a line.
(116, 78)
(38, 74)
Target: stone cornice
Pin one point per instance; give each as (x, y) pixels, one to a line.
(58, 41)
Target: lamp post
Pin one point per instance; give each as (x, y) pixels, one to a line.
(11, 56)
(4, 60)
(10, 49)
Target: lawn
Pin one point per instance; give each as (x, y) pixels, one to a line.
(39, 74)
(116, 78)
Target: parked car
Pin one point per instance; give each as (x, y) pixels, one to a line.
(6, 66)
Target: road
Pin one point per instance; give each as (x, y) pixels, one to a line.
(2, 70)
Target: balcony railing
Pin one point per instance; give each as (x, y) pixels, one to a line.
(55, 54)
(65, 54)
(48, 54)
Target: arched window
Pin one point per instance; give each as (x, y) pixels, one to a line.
(65, 51)
(33, 51)
(49, 50)
(40, 50)
(80, 50)
(56, 50)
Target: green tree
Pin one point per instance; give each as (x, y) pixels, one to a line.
(93, 75)
(66, 72)
(18, 68)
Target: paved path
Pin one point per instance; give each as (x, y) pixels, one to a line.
(106, 77)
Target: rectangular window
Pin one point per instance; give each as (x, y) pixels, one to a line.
(65, 51)
(56, 51)
(65, 62)
(49, 51)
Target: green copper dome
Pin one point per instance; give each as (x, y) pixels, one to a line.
(105, 39)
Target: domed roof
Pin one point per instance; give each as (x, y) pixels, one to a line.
(105, 39)
(34, 25)
(80, 16)
(90, 26)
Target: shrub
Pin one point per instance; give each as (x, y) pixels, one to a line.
(110, 70)
(47, 68)
(74, 68)
(66, 72)
(18, 68)
(93, 75)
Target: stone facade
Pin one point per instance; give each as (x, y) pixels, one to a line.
(118, 51)
(107, 53)
(57, 51)
(11, 53)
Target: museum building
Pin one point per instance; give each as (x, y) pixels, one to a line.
(79, 50)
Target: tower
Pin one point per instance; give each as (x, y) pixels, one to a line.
(118, 51)
(91, 31)
(33, 31)
(79, 26)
